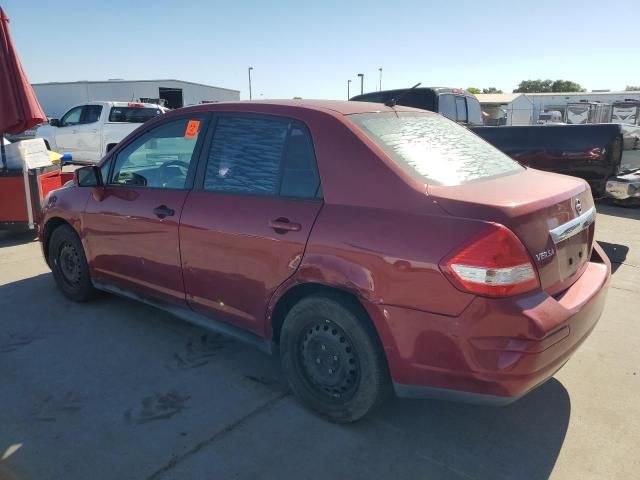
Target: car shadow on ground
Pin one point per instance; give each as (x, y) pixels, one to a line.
(10, 238)
(617, 254)
(521, 440)
(607, 207)
(413, 438)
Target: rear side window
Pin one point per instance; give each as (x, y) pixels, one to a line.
(132, 114)
(261, 156)
(434, 149)
(447, 106)
(474, 111)
(461, 109)
(91, 113)
(299, 173)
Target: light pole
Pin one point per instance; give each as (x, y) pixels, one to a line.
(380, 70)
(348, 89)
(250, 68)
(361, 75)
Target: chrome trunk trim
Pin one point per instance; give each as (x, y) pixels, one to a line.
(573, 227)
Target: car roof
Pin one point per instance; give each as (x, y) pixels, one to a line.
(436, 90)
(342, 107)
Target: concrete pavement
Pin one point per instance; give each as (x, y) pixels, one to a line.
(114, 389)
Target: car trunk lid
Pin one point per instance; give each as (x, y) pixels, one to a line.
(552, 215)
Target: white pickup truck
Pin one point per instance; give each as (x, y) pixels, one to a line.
(90, 130)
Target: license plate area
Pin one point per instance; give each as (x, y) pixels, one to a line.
(573, 253)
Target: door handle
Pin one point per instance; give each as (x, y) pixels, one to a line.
(283, 225)
(163, 211)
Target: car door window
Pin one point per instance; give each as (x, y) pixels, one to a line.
(91, 113)
(245, 155)
(262, 156)
(72, 117)
(159, 158)
(461, 109)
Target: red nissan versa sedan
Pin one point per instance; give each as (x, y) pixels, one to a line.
(377, 249)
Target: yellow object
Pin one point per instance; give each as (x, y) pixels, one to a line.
(54, 156)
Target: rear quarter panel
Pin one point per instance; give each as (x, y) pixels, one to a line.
(387, 257)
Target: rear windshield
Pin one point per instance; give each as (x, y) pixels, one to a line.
(433, 148)
(132, 114)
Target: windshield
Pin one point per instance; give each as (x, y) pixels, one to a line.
(132, 114)
(433, 148)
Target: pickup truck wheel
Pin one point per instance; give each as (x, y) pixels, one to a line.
(332, 358)
(69, 265)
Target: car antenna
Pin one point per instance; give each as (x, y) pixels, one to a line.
(394, 101)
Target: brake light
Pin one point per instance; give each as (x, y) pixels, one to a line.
(495, 265)
(135, 105)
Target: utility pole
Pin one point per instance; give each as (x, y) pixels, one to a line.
(250, 68)
(380, 70)
(361, 75)
(348, 89)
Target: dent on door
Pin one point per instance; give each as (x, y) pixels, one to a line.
(236, 251)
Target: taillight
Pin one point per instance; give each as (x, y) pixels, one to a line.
(495, 264)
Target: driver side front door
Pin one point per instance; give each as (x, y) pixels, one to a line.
(131, 230)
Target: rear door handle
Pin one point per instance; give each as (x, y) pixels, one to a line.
(283, 225)
(163, 211)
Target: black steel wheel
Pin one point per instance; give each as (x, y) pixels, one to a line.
(69, 265)
(332, 358)
(329, 360)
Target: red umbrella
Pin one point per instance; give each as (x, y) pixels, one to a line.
(19, 107)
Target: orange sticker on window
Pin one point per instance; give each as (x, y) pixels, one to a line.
(192, 129)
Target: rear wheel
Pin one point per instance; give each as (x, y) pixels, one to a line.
(332, 358)
(69, 265)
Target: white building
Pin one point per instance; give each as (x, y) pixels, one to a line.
(57, 97)
(506, 108)
(524, 108)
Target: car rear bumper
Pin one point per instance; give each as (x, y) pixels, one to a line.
(497, 350)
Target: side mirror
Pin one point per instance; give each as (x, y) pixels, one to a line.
(88, 177)
(54, 122)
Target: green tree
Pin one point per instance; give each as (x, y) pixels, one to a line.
(474, 90)
(534, 86)
(631, 88)
(566, 86)
(544, 86)
(491, 90)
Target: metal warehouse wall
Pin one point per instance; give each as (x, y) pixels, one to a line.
(542, 102)
(57, 98)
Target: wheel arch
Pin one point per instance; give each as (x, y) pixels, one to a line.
(49, 227)
(295, 293)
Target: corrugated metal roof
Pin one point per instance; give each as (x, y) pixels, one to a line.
(120, 80)
(572, 94)
(497, 97)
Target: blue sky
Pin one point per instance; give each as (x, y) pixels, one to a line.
(310, 49)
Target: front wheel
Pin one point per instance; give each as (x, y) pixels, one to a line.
(332, 358)
(69, 265)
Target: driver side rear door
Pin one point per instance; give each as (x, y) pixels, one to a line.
(131, 230)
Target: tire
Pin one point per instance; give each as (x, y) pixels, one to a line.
(69, 265)
(332, 358)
